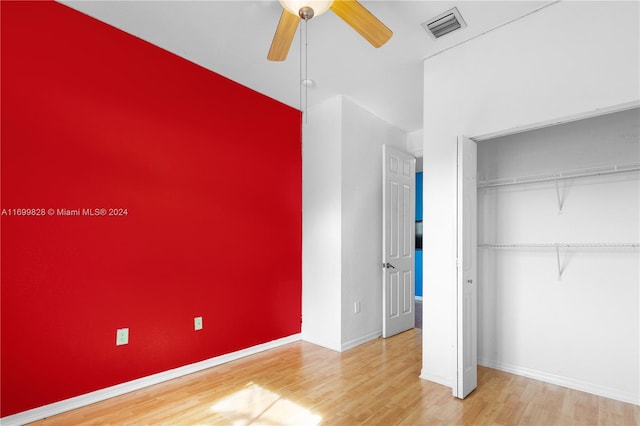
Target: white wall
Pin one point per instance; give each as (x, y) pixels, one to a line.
(414, 143)
(322, 224)
(563, 61)
(363, 135)
(583, 330)
(342, 223)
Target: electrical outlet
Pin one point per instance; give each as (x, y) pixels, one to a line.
(122, 336)
(356, 307)
(197, 323)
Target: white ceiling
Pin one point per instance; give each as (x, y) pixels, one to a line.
(232, 38)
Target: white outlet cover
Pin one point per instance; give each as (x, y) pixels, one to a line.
(122, 336)
(197, 323)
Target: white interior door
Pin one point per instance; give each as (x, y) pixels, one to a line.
(466, 289)
(398, 241)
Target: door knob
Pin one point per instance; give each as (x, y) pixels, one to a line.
(470, 281)
(388, 265)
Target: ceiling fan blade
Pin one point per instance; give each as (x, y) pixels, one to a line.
(363, 21)
(283, 37)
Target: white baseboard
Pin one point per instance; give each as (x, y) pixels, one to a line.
(564, 381)
(441, 380)
(102, 394)
(360, 340)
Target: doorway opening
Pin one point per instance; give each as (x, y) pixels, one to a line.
(418, 245)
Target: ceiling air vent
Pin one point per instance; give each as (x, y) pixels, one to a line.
(444, 23)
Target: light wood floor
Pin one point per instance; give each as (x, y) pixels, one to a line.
(376, 383)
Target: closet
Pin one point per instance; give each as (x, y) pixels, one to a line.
(558, 254)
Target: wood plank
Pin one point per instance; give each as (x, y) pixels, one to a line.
(375, 383)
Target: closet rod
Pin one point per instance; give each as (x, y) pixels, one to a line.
(567, 174)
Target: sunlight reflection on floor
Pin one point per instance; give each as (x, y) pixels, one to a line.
(255, 405)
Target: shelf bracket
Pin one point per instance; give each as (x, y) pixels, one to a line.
(558, 260)
(558, 195)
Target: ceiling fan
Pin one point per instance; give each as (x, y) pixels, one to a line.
(351, 11)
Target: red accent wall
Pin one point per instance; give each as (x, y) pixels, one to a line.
(209, 172)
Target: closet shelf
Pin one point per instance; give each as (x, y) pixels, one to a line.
(567, 174)
(555, 245)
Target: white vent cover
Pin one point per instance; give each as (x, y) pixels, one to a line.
(443, 24)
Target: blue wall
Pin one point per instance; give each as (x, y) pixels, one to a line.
(419, 217)
(419, 196)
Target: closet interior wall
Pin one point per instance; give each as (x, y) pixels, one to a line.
(558, 261)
